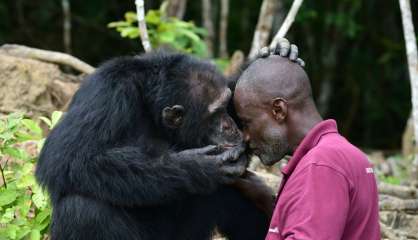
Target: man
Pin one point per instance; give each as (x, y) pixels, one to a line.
(328, 189)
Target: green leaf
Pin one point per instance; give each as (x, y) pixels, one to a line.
(39, 198)
(153, 17)
(40, 144)
(6, 136)
(14, 119)
(26, 181)
(47, 121)
(7, 196)
(2, 126)
(23, 136)
(55, 117)
(167, 37)
(193, 36)
(24, 202)
(129, 32)
(8, 215)
(182, 24)
(32, 126)
(35, 234)
(42, 216)
(118, 24)
(131, 17)
(22, 232)
(11, 231)
(12, 152)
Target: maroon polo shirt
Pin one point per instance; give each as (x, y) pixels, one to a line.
(328, 191)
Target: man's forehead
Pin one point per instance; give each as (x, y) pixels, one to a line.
(245, 99)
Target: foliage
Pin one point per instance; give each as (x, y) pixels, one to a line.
(163, 30)
(24, 207)
(222, 63)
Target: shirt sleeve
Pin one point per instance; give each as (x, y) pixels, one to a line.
(318, 205)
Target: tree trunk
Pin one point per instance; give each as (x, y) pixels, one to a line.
(208, 24)
(263, 28)
(408, 138)
(223, 41)
(412, 55)
(66, 9)
(176, 8)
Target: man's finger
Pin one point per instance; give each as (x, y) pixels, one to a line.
(293, 52)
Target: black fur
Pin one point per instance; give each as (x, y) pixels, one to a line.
(108, 169)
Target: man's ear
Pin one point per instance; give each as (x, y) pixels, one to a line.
(279, 109)
(173, 116)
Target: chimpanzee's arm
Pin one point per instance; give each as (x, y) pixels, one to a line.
(127, 176)
(239, 218)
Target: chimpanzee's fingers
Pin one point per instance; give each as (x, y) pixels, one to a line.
(206, 150)
(300, 62)
(293, 52)
(234, 153)
(284, 47)
(272, 49)
(263, 52)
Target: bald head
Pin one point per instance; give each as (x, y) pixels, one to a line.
(274, 77)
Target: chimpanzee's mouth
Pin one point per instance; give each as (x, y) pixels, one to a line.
(229, 145)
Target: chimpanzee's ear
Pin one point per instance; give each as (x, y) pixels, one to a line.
(173, 116)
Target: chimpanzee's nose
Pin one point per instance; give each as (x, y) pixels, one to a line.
(226, 125)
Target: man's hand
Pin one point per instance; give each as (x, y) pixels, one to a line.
(254, 188)
(283, 49)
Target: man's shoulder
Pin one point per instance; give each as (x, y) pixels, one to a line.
(337, 153)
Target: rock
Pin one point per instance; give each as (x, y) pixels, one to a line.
(34, 87)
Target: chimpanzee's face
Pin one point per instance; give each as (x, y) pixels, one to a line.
(203, 118)
(222, 129)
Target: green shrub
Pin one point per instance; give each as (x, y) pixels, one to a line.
(181, 35)
(24, 207)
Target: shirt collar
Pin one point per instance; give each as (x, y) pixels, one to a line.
(309, 141)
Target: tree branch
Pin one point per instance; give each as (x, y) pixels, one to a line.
(398, 191)
(290, 18)
(46, 56)
(142, 26)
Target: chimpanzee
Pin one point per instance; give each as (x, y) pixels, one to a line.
(147, 151)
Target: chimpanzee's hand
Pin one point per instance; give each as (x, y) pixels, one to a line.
(255, 189)
(283, 49)
(226, 163)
